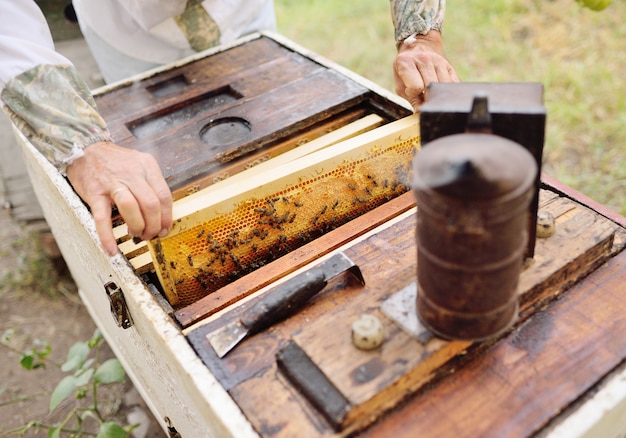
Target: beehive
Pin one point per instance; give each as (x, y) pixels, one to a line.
(228, 230)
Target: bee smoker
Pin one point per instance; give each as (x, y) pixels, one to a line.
(473, 192)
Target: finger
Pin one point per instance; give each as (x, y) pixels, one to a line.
(129, 209)
(428, 73)
(101, 211)
(409, 79)
(443, 73)
(164, 196)
(453, 75)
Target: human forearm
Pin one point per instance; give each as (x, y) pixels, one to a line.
(420, 60)
(53, 107)
(416, 17)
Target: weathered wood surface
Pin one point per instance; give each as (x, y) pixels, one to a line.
(261, 93)
(516, 387)
(374, 382)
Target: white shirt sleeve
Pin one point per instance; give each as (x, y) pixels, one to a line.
(25, 39)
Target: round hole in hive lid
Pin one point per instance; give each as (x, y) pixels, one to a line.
(225, 131)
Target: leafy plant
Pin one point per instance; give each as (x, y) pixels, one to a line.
(85, 375)
(595, 5)
(32, 358)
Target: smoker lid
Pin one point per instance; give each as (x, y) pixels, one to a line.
(473, 166)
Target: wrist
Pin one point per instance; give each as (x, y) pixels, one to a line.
(432, 39)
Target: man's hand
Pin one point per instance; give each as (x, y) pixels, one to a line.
(420, 61)
(108, 175)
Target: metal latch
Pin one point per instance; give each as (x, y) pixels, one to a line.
(119, 310)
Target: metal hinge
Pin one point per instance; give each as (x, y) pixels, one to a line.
(173, 433)
(119, 310)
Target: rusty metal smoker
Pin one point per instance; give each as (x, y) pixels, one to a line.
(473, 194)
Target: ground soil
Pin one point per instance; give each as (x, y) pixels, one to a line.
(30, 312)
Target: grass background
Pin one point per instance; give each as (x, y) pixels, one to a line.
(577, 54)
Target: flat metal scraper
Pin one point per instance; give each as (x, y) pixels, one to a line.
(281, 301)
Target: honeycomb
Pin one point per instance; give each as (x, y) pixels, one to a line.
(205, 257)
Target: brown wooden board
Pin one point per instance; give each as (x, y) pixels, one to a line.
(520, 384)
(376, 382)
(203, 116)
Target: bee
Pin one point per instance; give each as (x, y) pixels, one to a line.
(335, 204)
(190, 260)
(292, 218)
(352, 186)
(285, 200)
(235, 260)
(200, 234)
(297, 204)
(179, 281)
(172, 264)
(368, 191)
(324, 209)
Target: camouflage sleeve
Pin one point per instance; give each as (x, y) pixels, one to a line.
(53, 107)
(412, 17)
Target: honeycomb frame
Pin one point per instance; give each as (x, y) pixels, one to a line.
(228, 230)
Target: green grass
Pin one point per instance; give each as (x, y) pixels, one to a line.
(577, 54)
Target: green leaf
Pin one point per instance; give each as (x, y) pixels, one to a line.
(62, 391)
(27, 360)
(54, 432)
(88, 363)
(96, 338)
(7, 335)
(110, 371)
(42, 349)
(83, 378)
(76, 356)
(111, 430)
